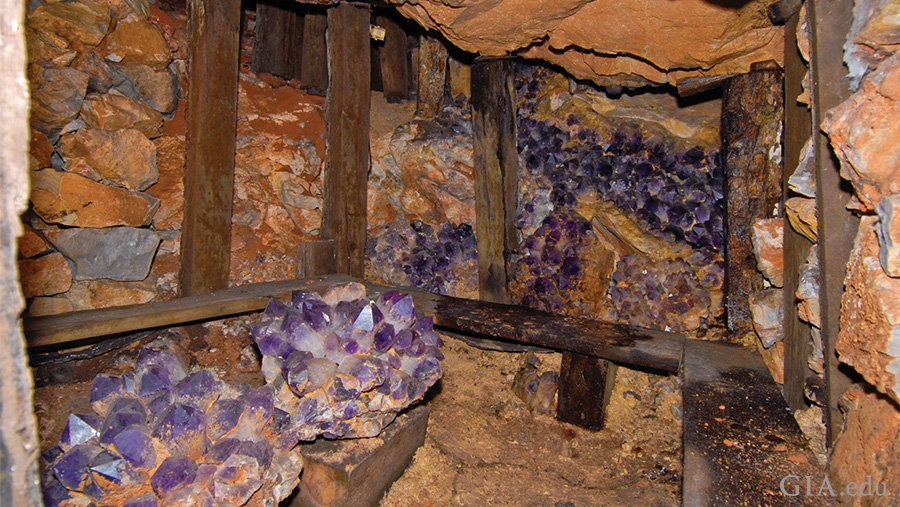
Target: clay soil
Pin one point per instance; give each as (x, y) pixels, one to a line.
(482, 447)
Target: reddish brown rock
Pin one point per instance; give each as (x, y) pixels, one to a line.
(767, 309)
(136, 41)
(801, 212)
(767, 236)
(45, 276)
(101, 76)
(869, 339)
(49, 47)
(40, 151)
(70, 199)
(591, 41)
(173, 25)
(49, 306)
(868, 450)
(114, 111)
(56, 96)
(120, 157)
(87, 295)
(31, 244)
(864, 131)
(84, 21)
(122, 8)
(170, 186)
(156, 88)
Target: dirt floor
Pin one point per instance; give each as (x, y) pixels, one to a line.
(483, 446)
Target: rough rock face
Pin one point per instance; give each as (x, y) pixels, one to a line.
(767, 309)
(45, 275)
(768, 237)
(869, 340)
(632, 42)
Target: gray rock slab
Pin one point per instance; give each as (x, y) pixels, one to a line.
(116, 253)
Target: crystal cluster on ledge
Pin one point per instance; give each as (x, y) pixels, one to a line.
(160, 435)
(342, 365)
(672, 193)
(441, 262)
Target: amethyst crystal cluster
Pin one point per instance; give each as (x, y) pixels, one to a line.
(343, 365)
(160, 435)
(416, 254)
(670, 192)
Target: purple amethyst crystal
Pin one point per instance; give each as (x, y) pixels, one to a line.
(305, 374)
(134, 444)
(199, 389)
(260, 450)
(124, 412)
(236, 479)
(173, 473)
(145, 500)
(108, 466)
(79, 429)
(104, 390)
(258, 406)
(72, 468)
(222, 449)
(182, 429)
(222, 417)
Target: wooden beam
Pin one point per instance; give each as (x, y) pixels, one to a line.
(496, 169)
(618, 342)
(585, 386)
(209, 167)
(394, 60)
(347, 139)
(314, 64)
(752, 115)
(829, 22)
(740, 439)
(797, 129)
(272, 47)
(433, 57)
(295, 45)
(699, 84)
(358, 472)
(315, 258)
(19, 448)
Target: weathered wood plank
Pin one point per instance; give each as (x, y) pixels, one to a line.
(272, 46)
(74, 326)
(314, 64)
(209, 163)
(19, 478)
(829, 23)
(752, 114)
(394, 62)
(347, 139)
(585, 385)
(797, 129)
(699, 84)
(432, 72)
(357, 473)
(740, 439)
(496, 169)
(295, 44)
(315, 258)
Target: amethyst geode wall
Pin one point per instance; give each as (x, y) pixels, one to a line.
(620, 218)
(162, 436)
(337, 365)
(343, 365)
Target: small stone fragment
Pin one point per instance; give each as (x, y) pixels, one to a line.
(767, 308)
(767, 236)
(45, 276)
(117, 253)
(802, 214)
(121, 157)
(808, 289)
(803, 181)
(888, 230)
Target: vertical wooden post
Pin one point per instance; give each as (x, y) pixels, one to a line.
(209, 167)
(19, 480)
(394, 61)
(585, 385)
(829, 22)
(272, 50)
(797, 127)
(752, 115)
(432, 76)
(315, 258)
(496, 168)
(347, 141)
(314, 65)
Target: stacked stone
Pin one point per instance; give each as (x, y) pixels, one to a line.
(342, 365)
(162, 436)
(670, 193)
(102, 82)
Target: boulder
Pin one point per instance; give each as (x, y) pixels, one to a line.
(888, 230)
(120, 157)
(101, 75)
(73, 200)
(767, 236)
(56, 96)
(135, 40)
(45, 276)
(115, 111)
(767, 308)
(116, 253)
(84, 21)
(869, 338)
(802, 214)
(156, 88)
(864, 130)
